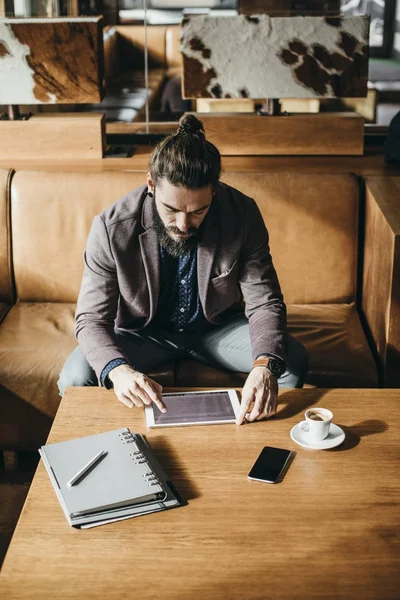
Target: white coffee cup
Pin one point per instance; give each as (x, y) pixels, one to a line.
(317, 423)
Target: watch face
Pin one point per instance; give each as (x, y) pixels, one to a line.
(274, 367)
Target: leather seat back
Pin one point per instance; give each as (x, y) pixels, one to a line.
(312, 220)
(51, 217)
(6, 285)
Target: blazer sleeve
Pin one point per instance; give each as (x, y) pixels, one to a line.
(98, 301)
(264, 305)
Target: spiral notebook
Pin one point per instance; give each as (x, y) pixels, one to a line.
(127, 481)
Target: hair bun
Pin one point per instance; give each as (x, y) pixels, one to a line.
(190, 125)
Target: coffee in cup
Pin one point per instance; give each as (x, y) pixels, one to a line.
(317, 423)
(316, 415)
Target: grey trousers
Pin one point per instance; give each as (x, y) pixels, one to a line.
(227, 347)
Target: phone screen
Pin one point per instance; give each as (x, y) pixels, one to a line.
(270, 464)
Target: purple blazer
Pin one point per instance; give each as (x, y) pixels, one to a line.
(121, 279)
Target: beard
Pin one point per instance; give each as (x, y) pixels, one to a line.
(174, 247)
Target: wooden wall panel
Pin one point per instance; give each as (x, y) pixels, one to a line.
(53, 136)
(243, 134)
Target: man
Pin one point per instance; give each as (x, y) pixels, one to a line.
(167, 268)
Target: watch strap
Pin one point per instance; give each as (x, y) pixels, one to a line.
(276, 366)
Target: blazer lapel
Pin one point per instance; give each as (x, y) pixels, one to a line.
(206, 252)
(150, 255)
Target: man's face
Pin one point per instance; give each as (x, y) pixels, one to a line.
(179, 213)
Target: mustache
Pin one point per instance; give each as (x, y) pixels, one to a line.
(190, 231)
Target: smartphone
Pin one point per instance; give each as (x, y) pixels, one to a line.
(271, 464)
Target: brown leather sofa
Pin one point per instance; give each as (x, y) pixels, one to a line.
(336, 251)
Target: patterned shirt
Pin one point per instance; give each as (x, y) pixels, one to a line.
(179, 308)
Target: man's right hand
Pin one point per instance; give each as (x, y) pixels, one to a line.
(133, 388)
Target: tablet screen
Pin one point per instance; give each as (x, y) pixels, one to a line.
(198, 407)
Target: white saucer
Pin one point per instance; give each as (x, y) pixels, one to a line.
(335, 437)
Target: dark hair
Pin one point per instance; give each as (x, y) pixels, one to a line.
(186, 158)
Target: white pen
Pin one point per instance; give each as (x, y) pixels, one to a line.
(82, 471)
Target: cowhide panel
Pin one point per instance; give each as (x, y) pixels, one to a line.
(274, 57)
(50, 61)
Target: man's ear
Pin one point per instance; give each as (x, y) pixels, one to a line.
(150, 183)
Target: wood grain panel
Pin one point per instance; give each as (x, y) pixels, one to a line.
(289, 105)
(382, 273)
(243, 134)
(53, 136)
(140, 127)
(333, 522)
(371, 163)
(225, 105)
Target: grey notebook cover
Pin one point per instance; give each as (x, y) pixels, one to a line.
(123, 478)
(126, 512)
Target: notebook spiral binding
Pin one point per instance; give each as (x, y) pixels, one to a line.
(139, 458)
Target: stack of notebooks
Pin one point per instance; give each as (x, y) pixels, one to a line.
(107, 477)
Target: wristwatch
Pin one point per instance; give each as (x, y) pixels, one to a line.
(276, 367)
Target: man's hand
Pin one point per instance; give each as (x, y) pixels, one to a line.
(259, 396)
(133, 388)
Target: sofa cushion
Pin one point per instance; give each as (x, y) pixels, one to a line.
(35, 341)
(338, 349)
(4, 308)
(332, 333)
(52, 215)
(312, 221)
(6, 285)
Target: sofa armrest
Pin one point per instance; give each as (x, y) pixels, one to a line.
(380, 300)
(7, 288)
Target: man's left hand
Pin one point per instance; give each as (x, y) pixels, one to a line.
(259, 396)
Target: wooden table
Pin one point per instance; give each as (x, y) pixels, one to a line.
(329, 530)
